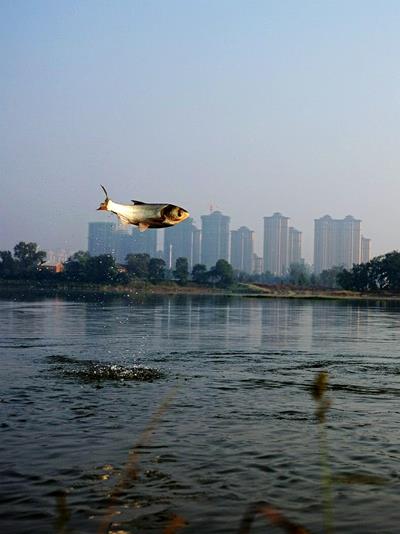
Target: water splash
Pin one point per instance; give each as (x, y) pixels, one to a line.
(95, 371)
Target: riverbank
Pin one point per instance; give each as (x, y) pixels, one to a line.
(292, 292)
(32, 288)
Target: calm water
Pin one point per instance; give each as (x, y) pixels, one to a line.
(80, 381)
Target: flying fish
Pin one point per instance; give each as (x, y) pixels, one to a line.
(145, 215)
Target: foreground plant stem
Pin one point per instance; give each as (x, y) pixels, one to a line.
(319, 389)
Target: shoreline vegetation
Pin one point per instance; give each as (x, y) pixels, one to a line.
(25, 273)
(33, 288)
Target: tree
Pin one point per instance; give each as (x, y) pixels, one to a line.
(328, 277)
(7, 264)
(75, 268)
(181, 272)
(380, 273)
(345, 279)
(377, 278)
(28, 257)
(390, 266)
(222, 272)
(299, 274)
(268, 278)
(199, 273)
(101, 269)
(138, 265)
(82, 256)
(156, 269)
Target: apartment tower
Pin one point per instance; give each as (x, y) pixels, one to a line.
(182, 241)
(242, 245)
(337, 242)
(276, 241)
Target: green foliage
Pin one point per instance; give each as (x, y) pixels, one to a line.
(199, 273)
(181, 272)
(101, 269)
(390, 271)
(299, 274)
(329, 277)
(25, 263)
(268, 278)
(28, 258)
(81, 256)
(222, 274)
(75, 268)
(345, 280)
(8, 265)
(381, 273)
(138, 265)
(156, 269)
(81, 267)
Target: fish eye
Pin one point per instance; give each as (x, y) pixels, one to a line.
(179, 213)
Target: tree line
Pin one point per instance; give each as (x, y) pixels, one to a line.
(27, 263)
(382, 273)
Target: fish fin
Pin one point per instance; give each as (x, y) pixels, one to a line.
(138, 202)
(123, 219)
(143, 227)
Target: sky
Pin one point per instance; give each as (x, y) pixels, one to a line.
(249, 106)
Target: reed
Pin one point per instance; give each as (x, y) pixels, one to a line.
(273, 515)
(318, 391)
(63, 513)
(130, 471)
(174, 524)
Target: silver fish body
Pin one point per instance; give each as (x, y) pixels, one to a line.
(145, 215)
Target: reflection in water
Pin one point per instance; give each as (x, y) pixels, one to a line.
(286, 324)
(240, 429)
(341, 324)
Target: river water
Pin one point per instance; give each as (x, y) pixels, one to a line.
(197, 407)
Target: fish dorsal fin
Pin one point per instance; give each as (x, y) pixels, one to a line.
(138, 202)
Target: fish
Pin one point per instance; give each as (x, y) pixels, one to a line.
(144, 215)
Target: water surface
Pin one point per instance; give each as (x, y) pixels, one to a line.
(80, 382)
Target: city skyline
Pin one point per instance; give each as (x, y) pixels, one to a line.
(337, 242)
(257, 237)
(288, 107)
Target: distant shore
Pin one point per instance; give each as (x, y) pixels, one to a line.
(290, 292)
(31, 288)
(34, 288)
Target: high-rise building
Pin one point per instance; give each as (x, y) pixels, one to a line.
(144, 242)
(214, 238)
(182, 241)
(120, 240)
(196, 246)
(337, 242)
(294, 252)
(365, 249)
(242, 244)
(258, 264)
(101, 238)
(276, 240)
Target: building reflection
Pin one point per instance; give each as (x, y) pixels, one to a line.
(336, 323)
(286, 324)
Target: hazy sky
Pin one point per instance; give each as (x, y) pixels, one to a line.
(253, 106)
